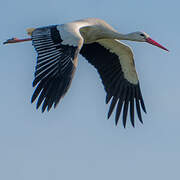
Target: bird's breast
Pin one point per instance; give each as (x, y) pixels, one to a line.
(91, 34)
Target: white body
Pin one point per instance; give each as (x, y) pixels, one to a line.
(96, 30)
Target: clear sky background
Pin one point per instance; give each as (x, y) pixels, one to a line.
(76, 141)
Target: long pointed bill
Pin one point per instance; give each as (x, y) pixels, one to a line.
(151, 41)
(16, 40)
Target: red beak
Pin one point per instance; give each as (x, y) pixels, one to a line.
(151, 41)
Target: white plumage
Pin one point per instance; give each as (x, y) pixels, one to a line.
(58, 46)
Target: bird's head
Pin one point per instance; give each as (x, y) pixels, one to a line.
(144, 37)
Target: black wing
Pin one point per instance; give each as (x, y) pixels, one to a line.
(114, 62)
(55, 66)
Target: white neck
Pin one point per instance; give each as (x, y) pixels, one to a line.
(92, 31)
(119, 36)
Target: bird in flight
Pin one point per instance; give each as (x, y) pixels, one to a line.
(57, 48)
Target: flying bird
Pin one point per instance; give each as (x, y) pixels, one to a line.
(57, 48)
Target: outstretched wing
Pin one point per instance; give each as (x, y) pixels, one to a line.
(114, 62)
(56, 63)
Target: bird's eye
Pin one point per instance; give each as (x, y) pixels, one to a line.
(142, 35)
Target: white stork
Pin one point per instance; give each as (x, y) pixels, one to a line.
(58, 46)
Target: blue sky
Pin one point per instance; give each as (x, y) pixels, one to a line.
(76, 141)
